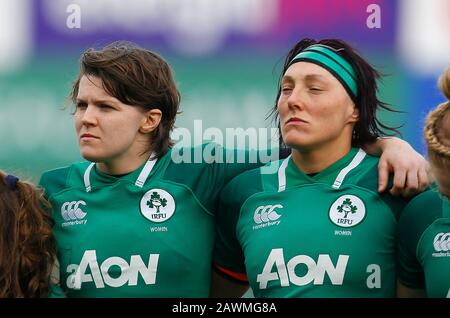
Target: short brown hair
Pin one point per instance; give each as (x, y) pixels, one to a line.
(137, 77)
(437, 128)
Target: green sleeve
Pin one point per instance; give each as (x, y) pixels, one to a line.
(228, 253)
(54, 181)
(414, 220)
(207, 169)
(56, 292)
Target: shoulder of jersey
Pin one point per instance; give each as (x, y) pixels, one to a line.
(367, 174)
(419, 214)
(247, 183)
(252, 175)
(370, 163)
(424, 202)
(57, 179)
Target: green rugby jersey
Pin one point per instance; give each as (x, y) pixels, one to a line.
(294, 235)
(424, 244)
(147, 234)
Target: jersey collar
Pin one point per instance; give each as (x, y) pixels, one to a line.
(289, 175)
(138, 177)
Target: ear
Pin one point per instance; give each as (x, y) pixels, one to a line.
(151, 121)
(354, 116)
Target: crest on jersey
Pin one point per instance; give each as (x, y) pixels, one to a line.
(347, 211)
(157, 205)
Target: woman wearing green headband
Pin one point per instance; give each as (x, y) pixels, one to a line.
(319, 227)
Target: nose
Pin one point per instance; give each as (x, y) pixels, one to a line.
(295, 99)
(89, 116)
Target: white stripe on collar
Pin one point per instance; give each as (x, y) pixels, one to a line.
(353, 164)
(282, 175)
(146, 171)
(337, 183)
(87, 182)
(139, 182)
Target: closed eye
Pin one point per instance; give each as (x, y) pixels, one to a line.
(316, 90)
(106, 107)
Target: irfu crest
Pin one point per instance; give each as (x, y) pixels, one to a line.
(156, 201)
(347, 207)
(157, 205)
(347, 211)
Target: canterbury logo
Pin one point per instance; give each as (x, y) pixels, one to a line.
(72, 210)
(266, 213)
(441, 242)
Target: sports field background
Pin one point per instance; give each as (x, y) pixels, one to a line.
(226, 55)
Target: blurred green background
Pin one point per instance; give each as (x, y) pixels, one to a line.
(226, 56)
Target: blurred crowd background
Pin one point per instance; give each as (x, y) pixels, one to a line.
(226, 55)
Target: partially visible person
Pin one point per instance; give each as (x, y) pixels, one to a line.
(319, 227)
(424, 228)
(27, 246)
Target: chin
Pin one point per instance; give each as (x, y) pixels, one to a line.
(88, 155)
(297, 142)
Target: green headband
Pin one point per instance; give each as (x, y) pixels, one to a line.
(327, 58)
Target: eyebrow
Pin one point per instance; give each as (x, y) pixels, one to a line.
(315, 76)
(98, 101)
(308, 77)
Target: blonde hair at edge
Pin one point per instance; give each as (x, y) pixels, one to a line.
(437, 128)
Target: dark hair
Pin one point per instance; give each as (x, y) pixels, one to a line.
(368, 128)
(137, 77)
(27, 246)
